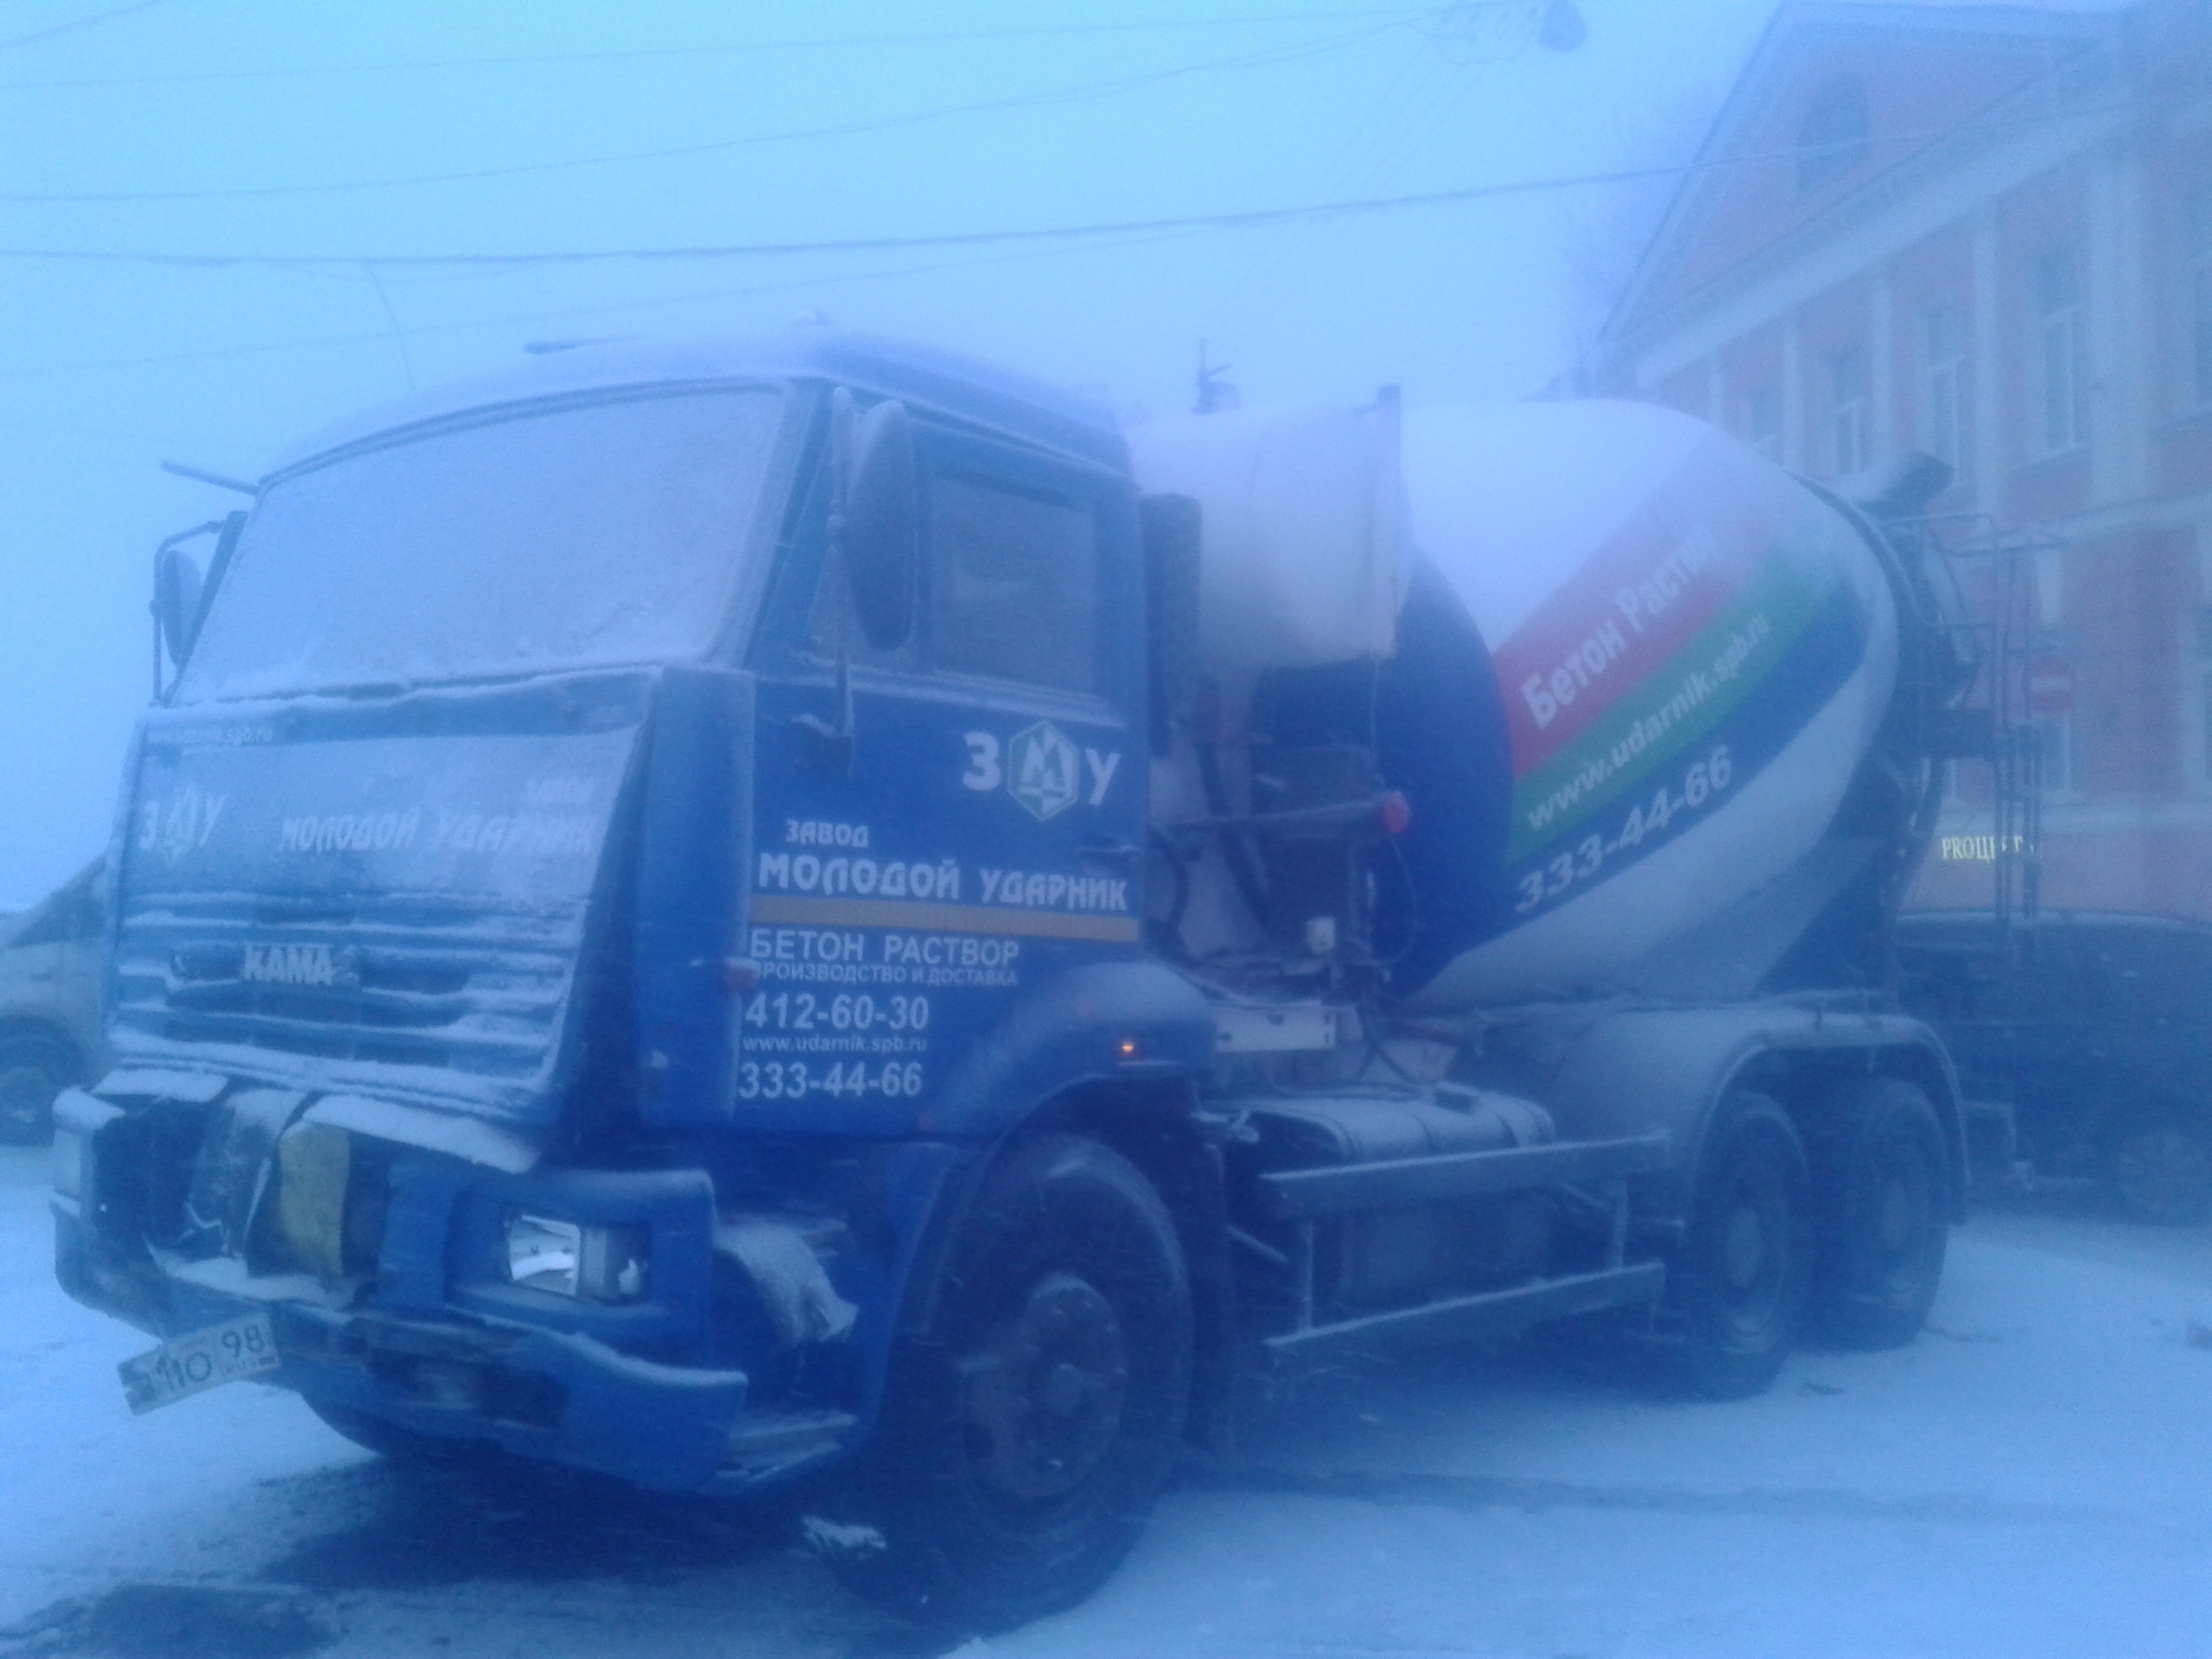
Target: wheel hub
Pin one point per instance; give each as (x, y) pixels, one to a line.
(1898, 1220)
(1744, 1250)
(1042, 1397)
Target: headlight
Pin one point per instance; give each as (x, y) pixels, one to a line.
(68, 1163)
(78, 1120)
(603, 1264)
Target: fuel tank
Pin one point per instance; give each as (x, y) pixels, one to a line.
(1629, 672)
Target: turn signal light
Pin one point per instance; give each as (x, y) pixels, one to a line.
(68, 1163)
(314, 1163)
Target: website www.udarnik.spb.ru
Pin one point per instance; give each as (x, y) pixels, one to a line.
(1696, 688)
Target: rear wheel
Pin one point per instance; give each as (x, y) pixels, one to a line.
(2160, 1167)
(1737, 1286)
(33, 1071)
(1032, 1423)
(1884, 1203)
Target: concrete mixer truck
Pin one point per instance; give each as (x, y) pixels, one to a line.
(810, 913)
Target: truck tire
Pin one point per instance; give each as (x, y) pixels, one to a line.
(2159, 1166)
(33, 1069)
(1032, 1420)
(1882, 1198)
(1737, 1285)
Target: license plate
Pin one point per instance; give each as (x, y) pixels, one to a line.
(205, 1359)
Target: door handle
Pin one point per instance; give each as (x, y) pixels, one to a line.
(829, 747)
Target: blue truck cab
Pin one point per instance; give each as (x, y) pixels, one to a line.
(635, 939)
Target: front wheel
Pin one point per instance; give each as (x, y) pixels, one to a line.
(1737, 1285)
(1884, 1207)
(1033, 1420)
(33, 1071)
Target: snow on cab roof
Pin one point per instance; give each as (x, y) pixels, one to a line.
(966, 389)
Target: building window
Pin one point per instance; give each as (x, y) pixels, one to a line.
(1763, 422)
(1832, 138)
(2196, 248)
(2058, 349)
(1942, 386)
(1846, 422)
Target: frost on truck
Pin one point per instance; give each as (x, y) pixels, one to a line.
(812, 912)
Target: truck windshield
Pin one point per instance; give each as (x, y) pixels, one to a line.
(604, 533)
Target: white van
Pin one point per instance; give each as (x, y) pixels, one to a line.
(50, 1004)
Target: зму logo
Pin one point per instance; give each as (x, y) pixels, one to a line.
(1043, 769)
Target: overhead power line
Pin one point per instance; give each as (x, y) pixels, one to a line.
(838, 129)
(1248, 220)
(36, 35)
(108, 435)
(570, 313)
(741, 48)
(847, 244)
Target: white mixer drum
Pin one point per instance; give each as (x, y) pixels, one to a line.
(1634, 669)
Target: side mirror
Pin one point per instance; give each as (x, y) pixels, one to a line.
(177, 588)
(879, 535)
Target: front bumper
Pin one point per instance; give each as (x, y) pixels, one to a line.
(688, 1388)
(565, 1397)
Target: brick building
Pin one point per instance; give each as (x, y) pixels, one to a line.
(1986, 231)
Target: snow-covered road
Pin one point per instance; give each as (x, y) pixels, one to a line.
(2033, 1478)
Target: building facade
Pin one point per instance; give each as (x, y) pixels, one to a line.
(1985, 232)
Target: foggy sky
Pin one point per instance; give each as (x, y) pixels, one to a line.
(109, 368)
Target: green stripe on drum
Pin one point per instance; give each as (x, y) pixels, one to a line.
(1652, 724)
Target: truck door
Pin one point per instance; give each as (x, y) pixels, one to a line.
(978, 828)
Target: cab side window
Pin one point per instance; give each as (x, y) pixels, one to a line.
(1012, 556)
(1012, 583)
